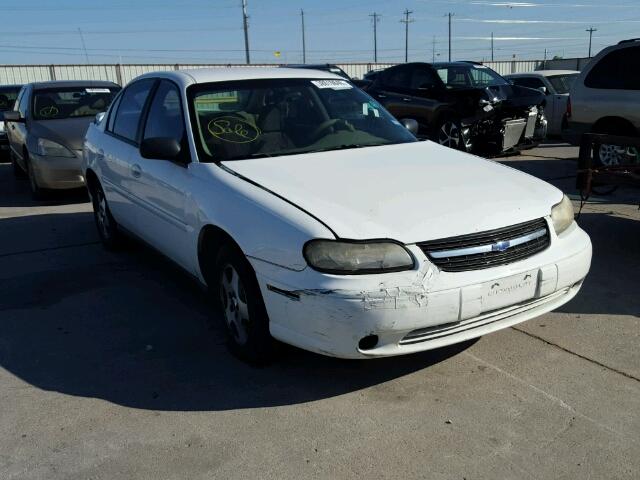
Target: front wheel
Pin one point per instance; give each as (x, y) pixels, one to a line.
(242, 307)
(37, 192)
(449, 134)
(18, 172)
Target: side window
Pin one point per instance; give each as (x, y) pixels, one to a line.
(23, 105)
(423, 78)
(130, 109)
(112, 113)
(529, 82)
(397, 78)
(619, 69)
(165, 117)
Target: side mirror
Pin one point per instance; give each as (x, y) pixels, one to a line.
(410, 124)
(160, 148)
(99, 117)
(543, 90)
(13, 116)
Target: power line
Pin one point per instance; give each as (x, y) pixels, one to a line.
(84, 47)
(245, 25)
(376, 19)
(406, 22)
(590, 30)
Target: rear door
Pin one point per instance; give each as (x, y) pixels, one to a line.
(120, 143)
(17, 131)
(162, 185)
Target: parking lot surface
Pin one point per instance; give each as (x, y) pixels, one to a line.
(112, 367)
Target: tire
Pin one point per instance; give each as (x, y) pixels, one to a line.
(108, 231)
(37, 192)
(610, 155)
(242, 308)
(18, 172)
(449, 133)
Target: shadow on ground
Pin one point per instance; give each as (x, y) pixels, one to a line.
(132, 329)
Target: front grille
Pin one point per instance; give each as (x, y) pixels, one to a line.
(488, 249)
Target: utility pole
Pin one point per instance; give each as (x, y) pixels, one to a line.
(544, 62)
(84, 47)
(450, 15)
(590, 30)
(245, 25)
(304, 45)
(406, 22)
(492, 46)
(433, 50)
(376, 19)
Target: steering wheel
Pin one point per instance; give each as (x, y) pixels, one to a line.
(334, 122)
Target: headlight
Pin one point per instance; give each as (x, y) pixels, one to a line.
(349, 258)
(47, 148)
(562, 215)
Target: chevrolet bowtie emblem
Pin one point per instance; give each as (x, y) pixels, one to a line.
(500, 246)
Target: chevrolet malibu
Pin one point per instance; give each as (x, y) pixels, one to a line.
(317, 219)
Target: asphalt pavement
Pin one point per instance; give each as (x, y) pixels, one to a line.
(111, 366)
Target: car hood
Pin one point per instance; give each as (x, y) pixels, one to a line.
(65, 131)
(409, 192)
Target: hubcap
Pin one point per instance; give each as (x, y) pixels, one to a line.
(234, 303)
(615, 155)
(449, 135)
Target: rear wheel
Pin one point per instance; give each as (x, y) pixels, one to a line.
(110, 235)
(242, 307)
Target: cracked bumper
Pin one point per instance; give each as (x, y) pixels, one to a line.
(418, 310)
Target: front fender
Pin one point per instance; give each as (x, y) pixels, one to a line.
(266, 227)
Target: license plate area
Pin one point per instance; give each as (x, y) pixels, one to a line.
(507, 291)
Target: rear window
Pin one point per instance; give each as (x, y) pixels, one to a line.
(619, 69)
(562, 83)
(8, 98)
(58, 103)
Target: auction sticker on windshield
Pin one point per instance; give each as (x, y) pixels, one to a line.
(332, 84)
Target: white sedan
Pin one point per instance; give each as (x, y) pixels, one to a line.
(317, 219)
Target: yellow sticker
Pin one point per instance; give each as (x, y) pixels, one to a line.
(233, 129)
(51, 111)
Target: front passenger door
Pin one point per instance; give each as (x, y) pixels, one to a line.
(163, 185)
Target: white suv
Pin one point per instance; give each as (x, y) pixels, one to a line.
(606, 99)
(317, 219)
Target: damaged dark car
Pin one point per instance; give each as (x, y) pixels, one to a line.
(462, 105)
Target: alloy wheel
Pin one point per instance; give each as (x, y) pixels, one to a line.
(615, 155)
(449, 135)
(234, 303)
(102, 215)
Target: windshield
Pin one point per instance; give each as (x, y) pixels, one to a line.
(8, 98)
(562, 83)
(469, 76)
(57, 103)
(258, 118)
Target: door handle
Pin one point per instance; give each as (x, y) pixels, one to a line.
(382, 95)
(405, 99)
(136, 171)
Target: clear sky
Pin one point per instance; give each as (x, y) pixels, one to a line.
(210, 31)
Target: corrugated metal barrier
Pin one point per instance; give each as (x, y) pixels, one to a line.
(122, 74)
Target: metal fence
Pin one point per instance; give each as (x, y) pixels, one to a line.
(18, 74)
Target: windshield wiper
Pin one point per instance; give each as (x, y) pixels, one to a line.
(343, 147)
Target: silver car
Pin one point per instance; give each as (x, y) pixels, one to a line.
(46, 130)
(605, 98)
(555, 84)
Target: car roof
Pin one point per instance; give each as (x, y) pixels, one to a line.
(74, 83)
(10, 87)
(543, 73)
(229, 74)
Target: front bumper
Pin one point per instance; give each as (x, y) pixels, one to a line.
(418, 310)
(58, 172)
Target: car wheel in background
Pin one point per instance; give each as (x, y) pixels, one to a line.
(18, 172)
(611, 155)
(37, 192)
(449, 133)
(242, 308)
(108, 231)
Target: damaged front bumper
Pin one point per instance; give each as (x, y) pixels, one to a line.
(500, 131)
(398, 313)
